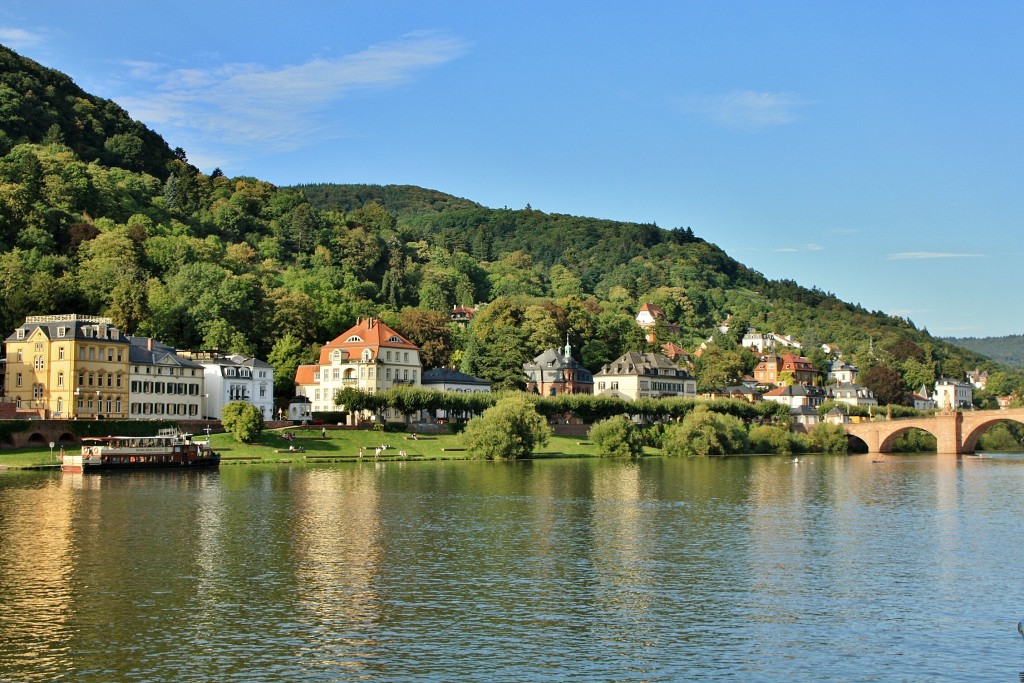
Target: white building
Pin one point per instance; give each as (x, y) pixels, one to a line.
(851, 394)
(644, 375)
(161, 383)
(950, 394)
(369, 356)
(842, 373)
(234, 377)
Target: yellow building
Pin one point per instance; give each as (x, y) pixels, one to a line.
(68, 366)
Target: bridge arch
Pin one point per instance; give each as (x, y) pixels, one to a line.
(37, 439)
(887, 443)
(971, 437)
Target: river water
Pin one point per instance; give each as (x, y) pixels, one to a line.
(831, 568)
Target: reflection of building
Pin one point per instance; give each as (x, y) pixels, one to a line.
(234, 377)
(370, 356)
(644, 375)
(557, 372)
(65, 366)
(162, 383)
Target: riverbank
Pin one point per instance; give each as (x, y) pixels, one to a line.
(339, 445)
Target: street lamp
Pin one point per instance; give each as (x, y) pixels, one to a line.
(97, 404)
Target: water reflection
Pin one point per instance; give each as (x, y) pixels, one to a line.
(657, 570)
(36, 578)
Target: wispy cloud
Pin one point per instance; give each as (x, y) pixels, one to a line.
(923, 255)
(19, 38)
(746, 109)
(810, 246)
(278, 108)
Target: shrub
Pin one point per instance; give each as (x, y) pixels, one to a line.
(244, 420)
(828, 438)
(617, 436)
(510, 429)
(770, 439)
(703, 432)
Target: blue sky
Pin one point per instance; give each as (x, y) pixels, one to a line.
(871, 149)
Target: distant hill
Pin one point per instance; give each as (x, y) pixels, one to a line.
(1009, 349)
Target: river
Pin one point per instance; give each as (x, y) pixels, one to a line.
(754, 569)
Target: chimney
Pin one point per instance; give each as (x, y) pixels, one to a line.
(149, 343)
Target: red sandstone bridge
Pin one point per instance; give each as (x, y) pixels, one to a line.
(956, 433)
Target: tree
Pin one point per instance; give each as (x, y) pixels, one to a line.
(431, 331)
(617, 436)
(719, 367)
(703, 432)
(510, 429)
(242, 419)
(286, 356)
(886, 383)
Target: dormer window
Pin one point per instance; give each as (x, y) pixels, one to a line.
(21, 333)
(62, 331)
(395, 340)
(354, 339)
(367, 354)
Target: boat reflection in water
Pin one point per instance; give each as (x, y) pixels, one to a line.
(169, 449)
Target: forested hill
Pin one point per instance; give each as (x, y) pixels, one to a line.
(40, 106)
(1009, 349)
(99, 216)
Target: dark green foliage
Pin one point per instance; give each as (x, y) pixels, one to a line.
(617, 436)
(43, 106)
(704, 432)
(244, 420)
(509, 430)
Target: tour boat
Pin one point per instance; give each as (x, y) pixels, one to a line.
(168, 449)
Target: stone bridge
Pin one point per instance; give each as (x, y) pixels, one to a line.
(955, 432)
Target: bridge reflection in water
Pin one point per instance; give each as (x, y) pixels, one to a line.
(955, 432)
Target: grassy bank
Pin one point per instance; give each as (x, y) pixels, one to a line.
(338, 446)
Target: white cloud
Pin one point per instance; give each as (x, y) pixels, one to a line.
(810, 246)
(248, 104)
(19, 38)
(922, 255)
(746, 109)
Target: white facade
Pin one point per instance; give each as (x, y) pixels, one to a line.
(369, 356)
(952, 395)
(235, 377)
(644, 375)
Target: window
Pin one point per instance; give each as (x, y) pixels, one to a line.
(92, 353)
(110, 358)
(60, 379)
(60, 353)
(405, 357)
(19, 355)
(17, 380)
(62, 331)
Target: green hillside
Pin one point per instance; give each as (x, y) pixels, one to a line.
(99, 216)
(1008, 350)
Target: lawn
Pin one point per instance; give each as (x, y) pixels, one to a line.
(340, 445)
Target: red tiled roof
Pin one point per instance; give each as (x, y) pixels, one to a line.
(368, 333)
